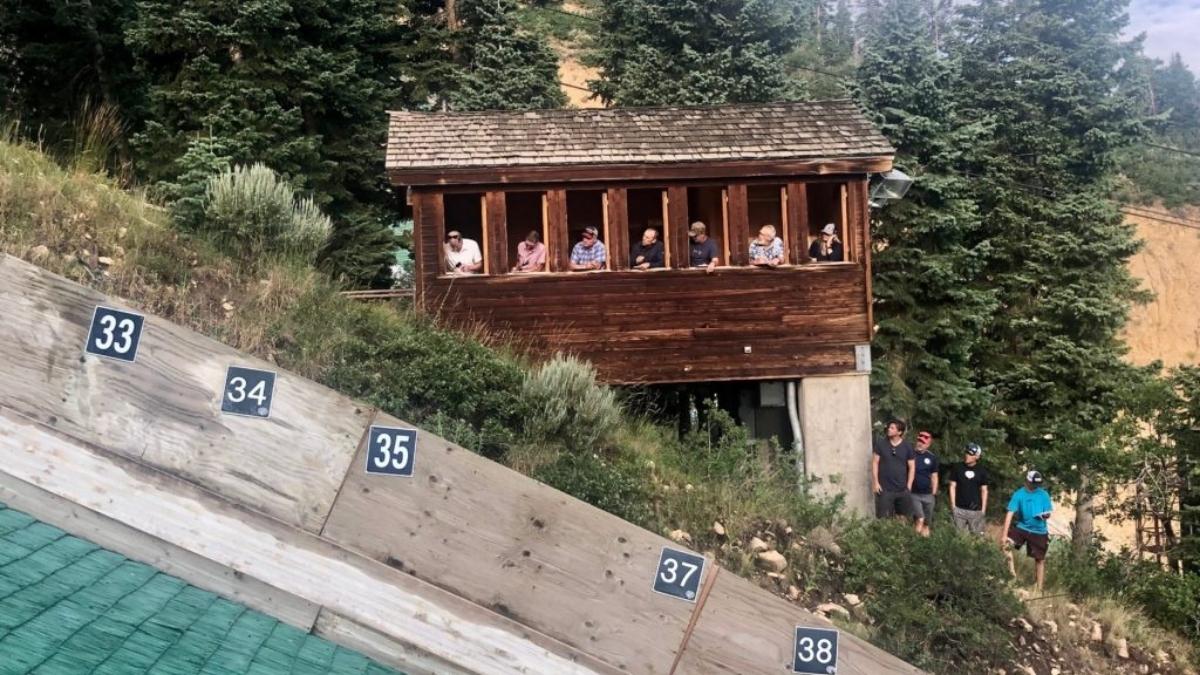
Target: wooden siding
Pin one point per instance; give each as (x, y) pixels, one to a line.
(678, 325)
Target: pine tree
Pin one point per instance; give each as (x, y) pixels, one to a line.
(505, 67)
(695, 52)
(1051, 79)
(301, 86)
(930, 305)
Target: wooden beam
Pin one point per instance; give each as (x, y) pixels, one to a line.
(860, 210)
(737, 230)
(496, 226)
(797, 222)
(616, 204)
(429, 233)
(677, 224)
(514, 174)
(558, 243)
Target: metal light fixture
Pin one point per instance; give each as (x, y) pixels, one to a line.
(889, 187)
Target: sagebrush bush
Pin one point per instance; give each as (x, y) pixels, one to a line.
(567, 406)
(941, 602)
(254, 213)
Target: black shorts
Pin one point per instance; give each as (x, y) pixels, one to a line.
(1035, 544)
(888, 504)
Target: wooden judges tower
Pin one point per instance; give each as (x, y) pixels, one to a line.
(494, 176)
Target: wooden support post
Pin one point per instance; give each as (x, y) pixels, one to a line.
(558, 244)
(859, 215)
(677, 223)
(737, 229)
(617, 214)
(496, 227)
(429, 233)
(797, 222)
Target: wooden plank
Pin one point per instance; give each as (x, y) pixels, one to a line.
(495, 216)
(861, 223)
(797, 222)
(159, 554)
(525, 175)
(676, 217)
(381, 647)
(557, 238)
(742, 629)
(737, 229)
(562, 567)
(374, 595)
(165, 407)
(617, 211)
(630, 184)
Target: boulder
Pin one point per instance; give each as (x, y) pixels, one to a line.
(832, 608)
(680, 537)
(772, 561)
(757, 545)
(718, 529)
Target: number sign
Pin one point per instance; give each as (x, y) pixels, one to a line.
(248, 392)
(391, 450)
(115, 334)
(679, 574)
(816, 651)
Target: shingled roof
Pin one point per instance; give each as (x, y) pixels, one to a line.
(814, 130)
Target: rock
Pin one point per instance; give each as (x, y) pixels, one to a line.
(688, 487)
(823, 539)
(680, 537)
(852, 599)
(831, 608)
(1161, 657)
(39, 252)
(793, 593)
(1023, 624)
(718, 529)
(776, 576)
(121, 232)
(1056, 671)
(1097, 632)
(227, 306)
(1123, 648)
(105, 260)
(758, 545)
(1026, 670)
(1050, 626)
(772, 561)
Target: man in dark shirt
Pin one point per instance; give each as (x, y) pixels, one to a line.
(892, 469)
(827, 248)
(969, 491)
(647, 254)
(703, 250)
(925, 483)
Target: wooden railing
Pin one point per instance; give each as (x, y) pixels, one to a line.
(462, 567)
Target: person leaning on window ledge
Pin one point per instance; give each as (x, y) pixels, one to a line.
(462, 255)
(703, 250)
(531, 254)
(827, 247)
(766, 250)
(647, 254)
(588, 253)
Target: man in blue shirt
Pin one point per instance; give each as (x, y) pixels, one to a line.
(589, 253)
(1030, 507)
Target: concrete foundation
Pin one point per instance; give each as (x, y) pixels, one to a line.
(835, 417)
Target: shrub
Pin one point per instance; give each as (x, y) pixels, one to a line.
(253, 213)
(942, 602)
(616, 487)
(567, 406)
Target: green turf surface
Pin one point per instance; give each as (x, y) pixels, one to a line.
(68, 606)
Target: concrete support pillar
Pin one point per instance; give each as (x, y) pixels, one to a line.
(835, 415)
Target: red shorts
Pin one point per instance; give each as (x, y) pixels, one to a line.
(1035, 544)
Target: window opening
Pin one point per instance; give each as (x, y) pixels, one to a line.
(707, 205)
(827, 205)
(585, 211)
(524, 214)
(464, 215)
(646, 208)
(765, 204)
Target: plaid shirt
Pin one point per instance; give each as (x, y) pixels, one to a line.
(770, 251)
(582, 255)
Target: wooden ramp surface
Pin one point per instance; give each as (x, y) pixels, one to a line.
(464, 567)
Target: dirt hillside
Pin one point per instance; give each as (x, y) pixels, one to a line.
(1169, 327)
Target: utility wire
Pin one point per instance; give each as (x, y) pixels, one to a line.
(1178, 150)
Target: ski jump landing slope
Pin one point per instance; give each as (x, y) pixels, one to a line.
(464, 567)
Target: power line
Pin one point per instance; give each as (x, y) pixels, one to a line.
(574, 86)
(1167, 147)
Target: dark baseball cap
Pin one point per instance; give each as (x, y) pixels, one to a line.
(974, 450)
(1033, 477)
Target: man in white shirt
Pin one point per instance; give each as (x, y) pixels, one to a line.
(462, 255)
